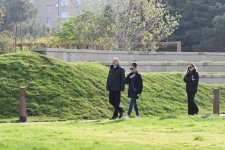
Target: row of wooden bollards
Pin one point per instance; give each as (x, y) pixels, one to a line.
(23, 108)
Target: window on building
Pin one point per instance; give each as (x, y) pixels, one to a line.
(48, 20)
(65, 15)
(65, 3)
(48, 8)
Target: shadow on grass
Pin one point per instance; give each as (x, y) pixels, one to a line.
(168, 117)
(205, 116)
(105, 122)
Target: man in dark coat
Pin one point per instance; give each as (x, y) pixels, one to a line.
(134, 80)
(191, 79)
(115, 86)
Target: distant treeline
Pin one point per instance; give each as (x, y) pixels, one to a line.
(202, 24)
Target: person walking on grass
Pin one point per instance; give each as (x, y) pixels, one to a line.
(191, 79)
(134, 80)
(115, 86)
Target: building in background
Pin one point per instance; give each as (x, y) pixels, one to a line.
(51, 13)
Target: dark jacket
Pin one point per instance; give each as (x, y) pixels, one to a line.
(115, 80)
(191, 80)
(135, 85)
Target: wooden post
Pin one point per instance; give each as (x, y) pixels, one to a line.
(216, 105)
(179, 46)
(22, 105)
(153, 46)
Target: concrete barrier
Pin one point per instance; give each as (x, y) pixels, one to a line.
(173, 66)
(100, 55)
(212, 78)
(149, 61)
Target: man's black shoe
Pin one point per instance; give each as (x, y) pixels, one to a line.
(113, 118)
(121, 114)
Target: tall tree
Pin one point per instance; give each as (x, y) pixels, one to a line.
(126, 22)
(18, 14)
(141, 21)
(6, 43)
(16, 11)
(1, 16)
(201, 25)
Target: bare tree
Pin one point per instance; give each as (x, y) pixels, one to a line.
(138, 20)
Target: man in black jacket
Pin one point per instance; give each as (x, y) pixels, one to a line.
(115, 86)
(191, 79)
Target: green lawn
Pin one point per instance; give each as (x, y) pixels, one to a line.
(167, 133)
(59, 90)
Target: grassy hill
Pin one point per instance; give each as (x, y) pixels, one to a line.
(77, 90)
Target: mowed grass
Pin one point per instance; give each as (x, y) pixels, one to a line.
(156, 133)
(58, 90)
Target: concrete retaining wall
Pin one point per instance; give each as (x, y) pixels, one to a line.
(99, 55)
(213, 78)
(168, 67)
(173, 66)
(149, 61)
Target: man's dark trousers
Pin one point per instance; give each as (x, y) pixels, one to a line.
(114, 99)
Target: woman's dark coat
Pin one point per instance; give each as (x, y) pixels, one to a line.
(135, 85)
(191, 79)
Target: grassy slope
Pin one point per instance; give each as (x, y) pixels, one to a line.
(77, 90)
(164, 133)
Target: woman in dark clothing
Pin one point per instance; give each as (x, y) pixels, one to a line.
(191, 79)
(135, 89)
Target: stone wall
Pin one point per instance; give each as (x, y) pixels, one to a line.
(149, 61)
(173, 66)
(99, 55)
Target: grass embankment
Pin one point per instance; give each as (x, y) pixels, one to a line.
(77, 90)
(164, 133)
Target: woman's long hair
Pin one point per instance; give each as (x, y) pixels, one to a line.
(193, 65)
